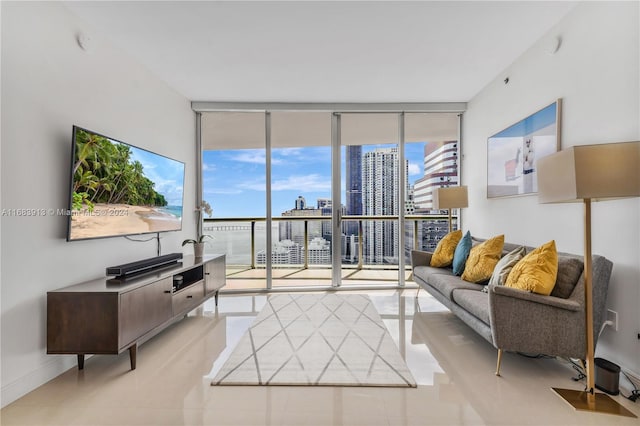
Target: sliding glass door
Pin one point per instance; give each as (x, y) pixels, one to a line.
(371, 194)
(301, 204)
(314, 199)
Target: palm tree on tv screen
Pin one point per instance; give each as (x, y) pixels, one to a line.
(104, 173)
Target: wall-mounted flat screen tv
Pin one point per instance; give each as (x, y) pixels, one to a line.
(118, 189)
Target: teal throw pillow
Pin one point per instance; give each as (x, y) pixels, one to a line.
(461, 254)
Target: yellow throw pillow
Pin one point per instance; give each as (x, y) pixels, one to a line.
(483, 259)
(443, 255)
(537, 271)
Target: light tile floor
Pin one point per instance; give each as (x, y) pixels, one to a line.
(453, 366)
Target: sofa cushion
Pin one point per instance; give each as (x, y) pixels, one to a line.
(461, 254)
(475, 302)
(483, 259)
(443, 254)
(505, 265)
(537, 271)
(569, 271)
(446, 283)
(425, 272)
(509, 247)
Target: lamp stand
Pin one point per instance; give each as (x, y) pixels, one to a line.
(450, 225)
(589, 400)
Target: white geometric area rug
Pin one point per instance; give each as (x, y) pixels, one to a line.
(316, 340)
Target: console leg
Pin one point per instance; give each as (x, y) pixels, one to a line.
(80, 361)
(133, 350)
(499, 361)
(216, 298)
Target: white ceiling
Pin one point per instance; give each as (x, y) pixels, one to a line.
(331, 51)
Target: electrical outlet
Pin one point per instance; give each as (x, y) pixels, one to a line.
(613, 317)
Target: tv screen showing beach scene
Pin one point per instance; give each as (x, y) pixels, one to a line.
(118, 189)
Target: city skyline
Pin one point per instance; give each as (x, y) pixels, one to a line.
(234, 180)
(370, 186)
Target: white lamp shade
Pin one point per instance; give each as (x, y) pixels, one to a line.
(597, 172)
(450, 197)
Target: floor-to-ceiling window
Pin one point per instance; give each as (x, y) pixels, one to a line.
(371, 192)
(234, 186)
(309, 198)
(432, 148)
(301, 198)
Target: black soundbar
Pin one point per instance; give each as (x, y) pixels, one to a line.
(142, 266)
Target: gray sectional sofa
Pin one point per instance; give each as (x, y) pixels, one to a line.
(519, 321)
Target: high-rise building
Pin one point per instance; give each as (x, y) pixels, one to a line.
(319, 252)
(380, 195)
(353, 192)
(324, 205)
(288, 252)
(301, 203)
(284, 252)
(440, 169)
(294, 229)
(349, 248)
(353, 177)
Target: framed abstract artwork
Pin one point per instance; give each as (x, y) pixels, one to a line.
(513, 152)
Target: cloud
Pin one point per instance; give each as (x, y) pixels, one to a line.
(414, 169)
(224, 191)
(313, 182)
(172, 190)
(305, 183)
(253, 157)
(287, 152)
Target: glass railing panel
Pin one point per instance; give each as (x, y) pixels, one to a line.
(370, 251)
(310, 265)
(242, 241)
(302, 255)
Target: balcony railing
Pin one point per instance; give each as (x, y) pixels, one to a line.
(425, 238)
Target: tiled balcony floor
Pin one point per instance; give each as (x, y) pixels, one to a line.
(245, 278)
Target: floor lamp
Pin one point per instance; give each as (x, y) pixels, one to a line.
(584, 174)
(450, 197)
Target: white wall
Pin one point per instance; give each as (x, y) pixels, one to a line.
(596, 73)
(49, 84)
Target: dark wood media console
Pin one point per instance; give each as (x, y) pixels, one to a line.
(107, 317)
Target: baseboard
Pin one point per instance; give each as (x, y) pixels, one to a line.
(25, 384)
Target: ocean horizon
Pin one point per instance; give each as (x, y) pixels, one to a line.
(172, 210)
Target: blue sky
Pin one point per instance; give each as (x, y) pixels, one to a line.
(167, 174)
(234, 180)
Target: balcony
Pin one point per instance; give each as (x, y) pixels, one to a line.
(302, 250)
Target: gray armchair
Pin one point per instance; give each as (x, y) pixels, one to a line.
(532, 323)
